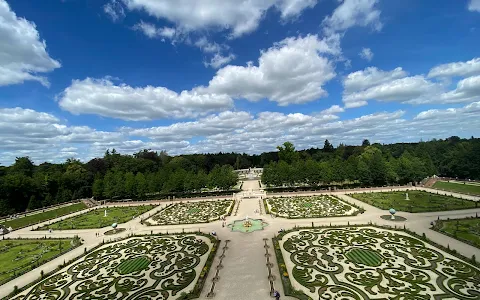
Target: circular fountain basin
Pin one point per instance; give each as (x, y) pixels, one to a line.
(247, 226)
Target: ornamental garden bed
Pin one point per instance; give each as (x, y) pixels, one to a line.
(419, 201)
(96, 218)
(192, 212)
(141, 267)
(370, 262)
(309, 207)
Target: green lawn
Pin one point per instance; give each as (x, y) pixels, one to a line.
(19, 256)
(420, 201)
(47, 215)
(96, 218)
(467, 229)
(457, 187)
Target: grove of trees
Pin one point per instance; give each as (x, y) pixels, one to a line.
(374, 165)
(24, 185)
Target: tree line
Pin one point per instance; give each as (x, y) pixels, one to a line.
(25, 185)
(374, 165)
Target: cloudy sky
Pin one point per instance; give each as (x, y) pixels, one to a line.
(80, 76)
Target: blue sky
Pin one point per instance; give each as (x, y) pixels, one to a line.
(80, 76)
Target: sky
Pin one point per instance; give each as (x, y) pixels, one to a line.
(78, 77)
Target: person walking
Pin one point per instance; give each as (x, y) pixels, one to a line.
(276, 294)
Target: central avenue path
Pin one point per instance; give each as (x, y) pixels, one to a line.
(245, 274)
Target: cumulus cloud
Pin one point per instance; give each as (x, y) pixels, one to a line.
(237, 16)
(262, 132)
(352, 13)
(395, 85)
(333, 110)
(474, 5)
(23, 55)
(44, 137)
(292, 71)
(366, 54)
(103, 97)
(461, 69)
(467, 90)
(371, 76)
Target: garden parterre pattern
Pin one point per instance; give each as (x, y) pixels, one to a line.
(149, 267)
(191, 212)
(309, 207)
(395, 266)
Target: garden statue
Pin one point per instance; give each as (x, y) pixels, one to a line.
(406, 196)
(105, 213)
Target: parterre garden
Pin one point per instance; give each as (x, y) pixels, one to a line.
(309, 207)
(192, 212)
(96, 218)
(43, 216)
(146, 267)
(20, 256)
(466, 230)
(370, 263)
(420, 201)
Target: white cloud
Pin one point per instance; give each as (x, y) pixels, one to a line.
(151, 31)
(103, 97)
(334, 109)
(352, 13)
(219, 60)
(238, 16)
(292, 71)
(208, 47)
(395, 85)
(114, 10)
(461, 69)
(474, 5)
(371, 76)
(366, 54)
(43, 137)
(467, 90)
(408, 89)
(22, 53)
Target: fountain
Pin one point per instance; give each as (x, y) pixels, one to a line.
(393, 212)
(247, 225)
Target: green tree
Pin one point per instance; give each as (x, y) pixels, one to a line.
(287, 152)
(130, 185)
(327, 147)
(141, 184)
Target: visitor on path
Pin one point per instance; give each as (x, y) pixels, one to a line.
(276, 294)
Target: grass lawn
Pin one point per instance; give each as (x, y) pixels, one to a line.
(468, 229)
(47, 215)
(96, 218)
(19, 256)
(458, 187)
(420, 201)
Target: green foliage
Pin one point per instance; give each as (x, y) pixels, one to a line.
(105, 177)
